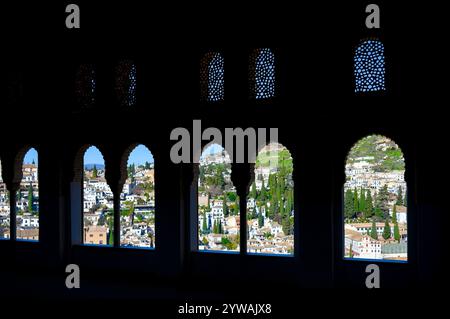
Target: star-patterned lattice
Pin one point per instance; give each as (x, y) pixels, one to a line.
(369, 67)
(264, 74)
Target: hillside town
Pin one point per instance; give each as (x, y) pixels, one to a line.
(137, 207)
(270, 210)
(27, 206)
(375, 201)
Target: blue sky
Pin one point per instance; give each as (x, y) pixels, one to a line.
(30, 156)
(212, 149)
(93, 156)
(138, 156)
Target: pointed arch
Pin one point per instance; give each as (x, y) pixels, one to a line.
(98, 205)
(217, 203)
(137, 200)
(375, 203)
(270, 202)
(27, 198)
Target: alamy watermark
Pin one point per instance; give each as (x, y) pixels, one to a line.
(187, 151)
(73, 279)
(373, 279)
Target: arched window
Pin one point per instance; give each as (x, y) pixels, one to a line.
(98, 205)
(85, 86)
(369, 66)
(218, 203)
(270, 203)
(27, 200)
(126, 83)
(137, 201)
(212, 77)
(5, 212)
(375, 213)
(262, 73)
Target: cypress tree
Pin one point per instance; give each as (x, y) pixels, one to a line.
(204, 224)
(291, 200)
(253, 193)
(282, 183)
(262, 193)
(394, 220)
(260, 219)
(94, 172)
(373, 231)
(30, 198)
(368, 212)
(111, 233)
(224, 206)
(348, 204)
(279, 191)
(362, 201)
(282, 208)
(387, 230)
(383, 201)
(396, 232)
(355, 201)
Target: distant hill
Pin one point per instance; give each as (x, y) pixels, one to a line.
(380, 151)
(91, 166)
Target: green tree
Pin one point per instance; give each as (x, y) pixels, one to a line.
(362, 200)
(286, 225)
(396, 232)
(111, 233)
(373, 231)
(253, 192)
(260, 219)
(30, 198)
(348, 204)
(224, 206)
(383, 201)
(355, 201)
(368, 211)
(214, 228)
(394, 213)
(204, 224)
(394, 220)
(387, 230)
(263, 192)
(281, 208)
(94, 172)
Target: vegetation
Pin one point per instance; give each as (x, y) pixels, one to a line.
(378, 150)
